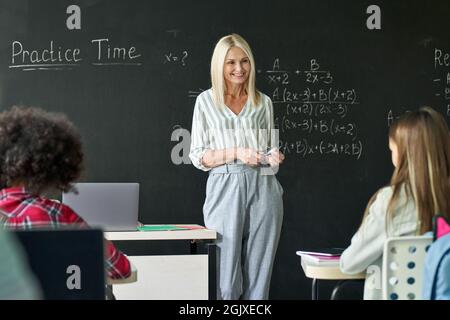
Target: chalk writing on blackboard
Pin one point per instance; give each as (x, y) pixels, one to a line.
(195, 93)
(311, 111)
(174, 58)
(442, 79)
(56, 56)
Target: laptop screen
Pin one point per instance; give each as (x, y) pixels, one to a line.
(110, 206)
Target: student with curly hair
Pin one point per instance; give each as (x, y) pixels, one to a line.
(41, 151)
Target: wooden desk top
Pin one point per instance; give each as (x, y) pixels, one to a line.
(328, 272)
(196, 234)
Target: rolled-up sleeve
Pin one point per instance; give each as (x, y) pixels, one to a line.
(199, 136)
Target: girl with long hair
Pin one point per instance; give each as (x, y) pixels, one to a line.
(419, 189)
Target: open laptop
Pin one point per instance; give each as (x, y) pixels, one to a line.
(110, 206)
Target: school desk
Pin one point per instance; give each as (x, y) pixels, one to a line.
(318, 272)
(169, 273)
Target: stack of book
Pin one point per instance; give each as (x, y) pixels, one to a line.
(323, 257)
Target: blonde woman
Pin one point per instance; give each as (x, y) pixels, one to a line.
(232, 138)
(419, 189)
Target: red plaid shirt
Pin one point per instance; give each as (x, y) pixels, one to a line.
(26, 211)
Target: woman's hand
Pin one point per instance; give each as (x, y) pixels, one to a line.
(275, 157)
(249, 156)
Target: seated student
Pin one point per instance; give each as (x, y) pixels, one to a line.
(41, 151)
(419, 189)
(16, 279)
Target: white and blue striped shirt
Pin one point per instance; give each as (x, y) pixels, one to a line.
(215, 128)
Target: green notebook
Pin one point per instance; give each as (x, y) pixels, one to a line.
(160, 227)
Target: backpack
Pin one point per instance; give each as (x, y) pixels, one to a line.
(436, 280)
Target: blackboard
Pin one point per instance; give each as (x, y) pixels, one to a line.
(335, 83)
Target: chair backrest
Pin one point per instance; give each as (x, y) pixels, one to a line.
(403, 263)
(69, 264)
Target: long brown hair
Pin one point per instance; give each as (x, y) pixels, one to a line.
(423, 168)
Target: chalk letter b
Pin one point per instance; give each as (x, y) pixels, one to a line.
(74, 20)
(374, 20)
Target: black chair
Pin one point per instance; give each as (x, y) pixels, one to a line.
(69, 264)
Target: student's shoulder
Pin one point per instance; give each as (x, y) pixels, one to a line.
(56, 207)
(385, 193)
(48, 202)
(381, 199)
(68, 215)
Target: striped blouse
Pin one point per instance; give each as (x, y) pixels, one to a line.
(215, 128)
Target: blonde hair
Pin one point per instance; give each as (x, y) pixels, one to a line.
(217, 64)
(423, 167)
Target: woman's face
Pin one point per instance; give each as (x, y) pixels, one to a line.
(236, 69)
(394, 152)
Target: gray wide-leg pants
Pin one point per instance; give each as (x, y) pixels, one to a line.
(246, 209)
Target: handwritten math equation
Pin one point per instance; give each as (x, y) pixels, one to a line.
(442, 78)
(311, 111)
